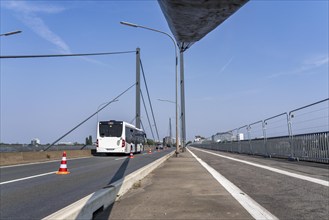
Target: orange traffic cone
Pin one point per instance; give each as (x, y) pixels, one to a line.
(63, 167)
(131, 155)
(150, 152)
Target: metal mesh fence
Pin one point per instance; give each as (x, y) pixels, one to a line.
(301, 134)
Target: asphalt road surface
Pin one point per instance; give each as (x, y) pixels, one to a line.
(34, 191)
(278, 190)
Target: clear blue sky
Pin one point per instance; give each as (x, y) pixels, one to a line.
(269, 57)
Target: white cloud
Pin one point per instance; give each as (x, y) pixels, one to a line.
(27, 13)
(24, 7)
(306, 67)
(317, 62)
(226, 65)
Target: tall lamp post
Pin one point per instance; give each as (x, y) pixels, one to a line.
(176, 66)
(10, 33)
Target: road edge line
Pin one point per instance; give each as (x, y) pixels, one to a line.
(251, 206)
(276, 170)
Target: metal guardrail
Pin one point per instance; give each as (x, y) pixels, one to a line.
(308, 147)
(301, 134)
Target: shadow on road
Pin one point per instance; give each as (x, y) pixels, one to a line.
(102, 212)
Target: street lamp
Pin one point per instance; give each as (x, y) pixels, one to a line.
(102, 105)
(172, 102)
(10, 33)
(176, 66)
(165, 100)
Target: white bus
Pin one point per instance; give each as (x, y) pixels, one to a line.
(119, 137)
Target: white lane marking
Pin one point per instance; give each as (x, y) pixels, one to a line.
(254, 209)
(25, 164)
(44, 174)
(121, 158)
(25, 178)
(295, 175)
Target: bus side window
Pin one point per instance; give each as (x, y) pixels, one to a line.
(133, 137)
(129, 135)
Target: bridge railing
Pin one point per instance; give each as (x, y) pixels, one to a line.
(301, 134)
(308, 147)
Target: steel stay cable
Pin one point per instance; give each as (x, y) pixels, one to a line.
(148, 94)
(147, 115)
(142, 126)
(65, 55)
(113, 100)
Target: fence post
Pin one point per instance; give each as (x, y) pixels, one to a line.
(289, 116)
(264, 135)
(248, 130)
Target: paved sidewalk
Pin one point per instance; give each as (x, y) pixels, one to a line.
(179, 189)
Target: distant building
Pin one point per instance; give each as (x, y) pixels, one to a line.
(240, 137)
(222, 137)
(35, 141)
(198, 138)
(167, 141)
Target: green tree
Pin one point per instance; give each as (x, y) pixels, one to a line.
(89, 140)
(150, 142)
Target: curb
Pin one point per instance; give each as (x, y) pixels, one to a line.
(98, 201)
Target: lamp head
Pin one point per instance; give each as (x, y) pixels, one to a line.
(129, 24)
(11, 33)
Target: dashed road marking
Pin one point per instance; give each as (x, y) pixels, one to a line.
(121, 158)
(26, 164)
(25, 178)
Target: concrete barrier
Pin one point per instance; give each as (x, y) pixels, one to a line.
(86, 207)
(13, 158)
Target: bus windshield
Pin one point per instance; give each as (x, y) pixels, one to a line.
(107, 129)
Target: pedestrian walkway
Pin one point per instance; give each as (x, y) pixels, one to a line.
(179, 189)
